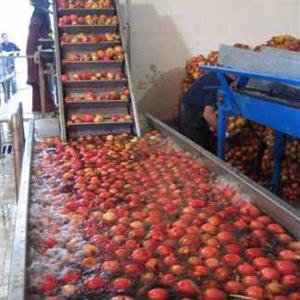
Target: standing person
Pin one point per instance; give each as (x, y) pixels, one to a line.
(40, 27)
(12, 50)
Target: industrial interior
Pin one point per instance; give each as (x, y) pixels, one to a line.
(150, 150)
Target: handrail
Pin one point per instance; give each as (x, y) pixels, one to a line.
(18, 56)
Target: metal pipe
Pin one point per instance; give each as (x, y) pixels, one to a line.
(19, 56)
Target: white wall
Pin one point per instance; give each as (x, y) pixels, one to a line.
(165, 33)
(14, 19)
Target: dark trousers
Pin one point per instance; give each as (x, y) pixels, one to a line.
(195, 127)
(36, 98)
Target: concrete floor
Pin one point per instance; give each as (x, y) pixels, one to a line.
(23, 96)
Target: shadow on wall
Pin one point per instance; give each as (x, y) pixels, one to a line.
(161, 93)
(157, 82)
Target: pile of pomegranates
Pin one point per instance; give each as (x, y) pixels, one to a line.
(108, 54)
(92, 75)
(257, 149)
(118, 217)
(97, 118)
(284, 42)
(88, 4)
(100, 46)
(94, 96)
(88, 20)
(290, 172)
(92, 38)
(254, 156)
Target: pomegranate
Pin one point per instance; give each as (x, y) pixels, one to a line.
(214, 294)
(133, 216)
(187, 287)
(157, 294)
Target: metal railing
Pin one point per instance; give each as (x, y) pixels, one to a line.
(46, 71)
(6, 64)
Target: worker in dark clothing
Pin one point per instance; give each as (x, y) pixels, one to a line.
(40, 27)
(12, 50)
(198, 119)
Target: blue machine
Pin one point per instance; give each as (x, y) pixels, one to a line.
(267, 66)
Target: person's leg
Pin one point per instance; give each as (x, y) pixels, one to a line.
(14, 85)
(36, 100)
(49, 105)
(36, 103)
(6, 89)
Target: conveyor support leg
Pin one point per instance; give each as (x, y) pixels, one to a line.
(278, 154)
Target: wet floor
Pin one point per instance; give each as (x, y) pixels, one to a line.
(7, 220)
(8, 203)
(7, 181)
(7, 185)
(23, 96)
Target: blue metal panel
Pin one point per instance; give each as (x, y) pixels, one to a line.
(284, 118)
(253, 75)
(271, 114)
